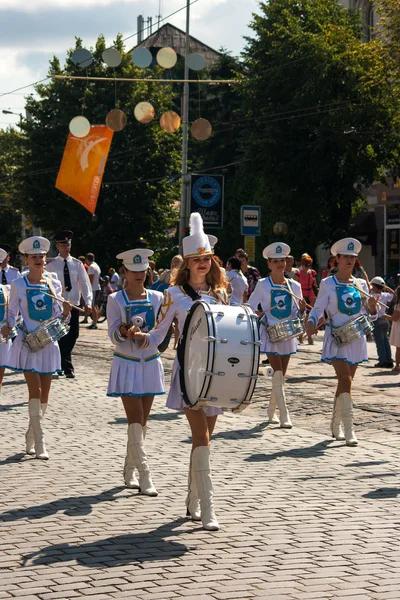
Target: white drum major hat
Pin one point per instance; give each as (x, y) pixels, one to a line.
(276, 250)
(349, 246)
(197, 243)
(34, 245)
(3, 255)
(136, 259)
(212, 239)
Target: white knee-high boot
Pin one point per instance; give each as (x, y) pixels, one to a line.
(192, 499)
(35, 418)
(336, 425)
(346, 407)
(278, 391)
(130, 477)
(29, 437)
(272, 416)
(138, 453)
(202, 475)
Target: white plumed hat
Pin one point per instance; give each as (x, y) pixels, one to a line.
(197, 243)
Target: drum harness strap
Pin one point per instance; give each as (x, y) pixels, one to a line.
(49, 282)
(357, 285)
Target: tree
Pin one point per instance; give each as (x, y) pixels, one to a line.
(10, 163)
(136, 198)
(321, 118)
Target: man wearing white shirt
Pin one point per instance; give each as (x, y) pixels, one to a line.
(237, 280)
(114, 279)
(75, 283)
(94, 273)
(8, 273)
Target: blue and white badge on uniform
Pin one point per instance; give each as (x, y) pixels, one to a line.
(40, 305)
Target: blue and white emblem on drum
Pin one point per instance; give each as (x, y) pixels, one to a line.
(40, 306)
(349, 300)
(281, 300)
(145, 312)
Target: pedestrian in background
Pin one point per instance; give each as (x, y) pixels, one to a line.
(290, 271)
(395, 333)
(331, 264)
(114, 279)
(94, 273)
(382, 325)
(252, 274)
(306, 276)
(176, 262)
(237, 281)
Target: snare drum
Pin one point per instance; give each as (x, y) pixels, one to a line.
(10, 336)
(285, 330)
(352, 330)
(219, 355)
(46, 334)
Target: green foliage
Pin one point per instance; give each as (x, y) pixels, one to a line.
(140, 154)
(323, 118)
(10, 162)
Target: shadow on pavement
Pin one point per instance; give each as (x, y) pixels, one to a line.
(74, 506)
(238, 434)
(369, 463)
(6, 407)
(310, 452)
(383, 493)
(378, 475)
(385, 385)
(171, 416)
(115, 551)
(13, 459)
(309, 377)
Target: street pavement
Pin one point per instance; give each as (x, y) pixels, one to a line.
(301, 516)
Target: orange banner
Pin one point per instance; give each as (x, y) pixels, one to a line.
(82, 166)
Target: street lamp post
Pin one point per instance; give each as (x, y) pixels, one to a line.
(10, 112)
(183, 222)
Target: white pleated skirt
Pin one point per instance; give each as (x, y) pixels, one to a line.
(5, 348)
(284, 348)
(354, 353)
(45, 362)
(136, 378)
(175, 399)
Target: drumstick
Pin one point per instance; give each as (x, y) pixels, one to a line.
(63, 300)
(327, 320)
(298, 298)
(368, 295)
(266, 310)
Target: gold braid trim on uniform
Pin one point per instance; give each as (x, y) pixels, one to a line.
(167, 303)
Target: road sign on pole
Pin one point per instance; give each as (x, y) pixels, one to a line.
(250, 220)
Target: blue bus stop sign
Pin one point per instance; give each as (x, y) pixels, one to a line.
(250, 220)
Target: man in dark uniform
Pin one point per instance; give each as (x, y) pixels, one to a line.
(7, 273)
(75, 283)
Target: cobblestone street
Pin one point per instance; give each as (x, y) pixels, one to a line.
(301, 516)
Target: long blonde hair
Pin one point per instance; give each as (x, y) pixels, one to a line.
(215, 278)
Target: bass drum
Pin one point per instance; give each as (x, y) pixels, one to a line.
(219, 356)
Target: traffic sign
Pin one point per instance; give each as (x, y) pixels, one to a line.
(250, 220)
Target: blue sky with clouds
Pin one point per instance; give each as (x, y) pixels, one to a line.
(32, 32)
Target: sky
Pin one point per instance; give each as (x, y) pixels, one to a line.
(32, 32)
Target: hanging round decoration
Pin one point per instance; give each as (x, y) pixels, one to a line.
(144, 112)
(82, 58)
(142, 57)
(201, 129)
(195, 61)
(79, 127)
(112, 57)
(170, 121)
(166, 58)
(116, 119)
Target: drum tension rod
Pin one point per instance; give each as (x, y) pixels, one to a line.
(249, 376)
(211, 338)
(210, 373)
(245, 342)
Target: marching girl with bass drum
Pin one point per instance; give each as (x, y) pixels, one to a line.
(343, 297)
(30, 297)
(136, 375)
(281, 301)
(198, 277)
